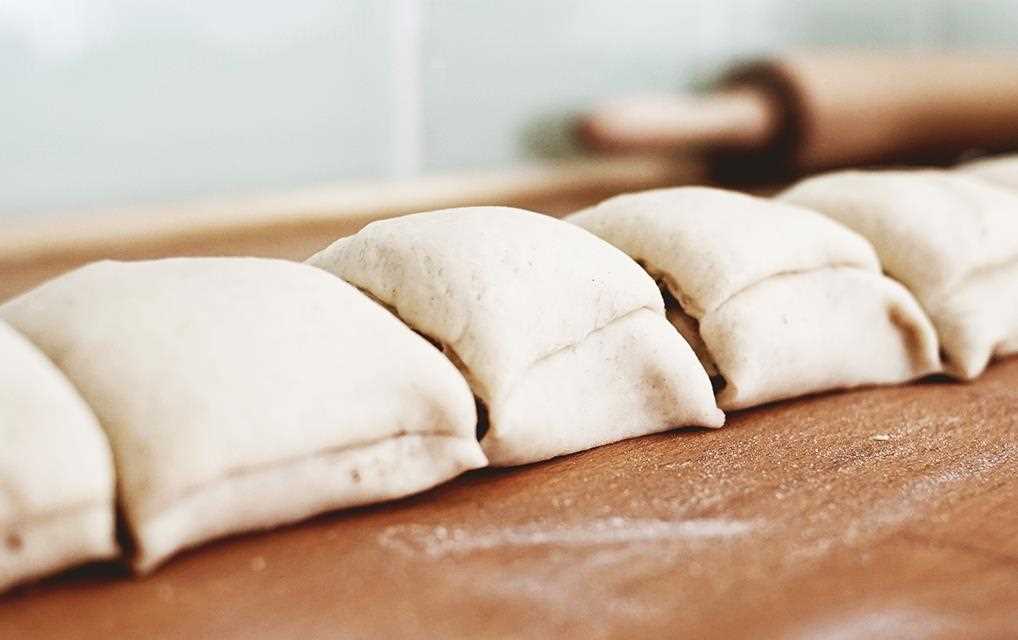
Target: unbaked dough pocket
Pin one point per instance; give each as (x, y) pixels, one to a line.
(978, 321)
(801, 333)
(247, 393)
(633, 377)
(293, 490)
(555, 330)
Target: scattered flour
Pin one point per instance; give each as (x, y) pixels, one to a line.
(923, 493)
(439, 541)
(910, 503)
(880, 623)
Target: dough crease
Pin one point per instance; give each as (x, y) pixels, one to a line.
(246, 393)
(511, 295)
(760, 290)
(56, 469)
(949, 237)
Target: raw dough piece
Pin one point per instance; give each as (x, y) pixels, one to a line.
(950, 238)
(56, 470)
(777, 301)
(243, 393)
(562, 337)
(1001, 171)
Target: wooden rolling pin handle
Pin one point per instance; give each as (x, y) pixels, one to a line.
(749, 129)
(739, 118)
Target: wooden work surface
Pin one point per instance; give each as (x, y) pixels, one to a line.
(885, 512)
(888, 512)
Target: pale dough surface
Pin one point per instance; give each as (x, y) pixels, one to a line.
(243, 393)
(1001, 171)
(779, 300)
(527, 306)
(950, 238)
(837, 328)
(56, 469)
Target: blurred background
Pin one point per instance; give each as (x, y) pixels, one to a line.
(108, 103)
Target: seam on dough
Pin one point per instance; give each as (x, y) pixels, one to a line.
(572, 345)
(723, 385)
(690, 308)
(576, 343)
(248, 470)
(162, 534)
(448, 348)
(794, 272)
(948, 191)
(948, 289)
(549, 354)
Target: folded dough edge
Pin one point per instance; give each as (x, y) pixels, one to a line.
(978, 321)
(634, 376)
(56, 469)
(246, 377)
(288, 492)
(947, 236)
(801, 333)
(507, 295)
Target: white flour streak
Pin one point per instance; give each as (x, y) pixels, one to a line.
(886, 623)
(438, 542)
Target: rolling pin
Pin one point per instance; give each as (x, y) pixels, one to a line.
(809, 112)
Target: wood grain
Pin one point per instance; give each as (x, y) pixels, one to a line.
(873, 513)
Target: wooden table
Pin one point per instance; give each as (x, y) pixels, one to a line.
(889, 512)
(885, 512)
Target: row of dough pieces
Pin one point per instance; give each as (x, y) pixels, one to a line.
(232, 394)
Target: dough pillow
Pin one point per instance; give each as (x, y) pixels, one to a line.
(1001, 171)
(56, 470)
(244, 393)
(562, 337)
(777, 301)
(950, 238)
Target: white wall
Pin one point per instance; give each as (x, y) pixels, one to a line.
(107, 102)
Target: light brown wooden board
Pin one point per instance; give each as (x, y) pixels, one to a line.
(792, 521)
(294, 225)
(798, 519)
